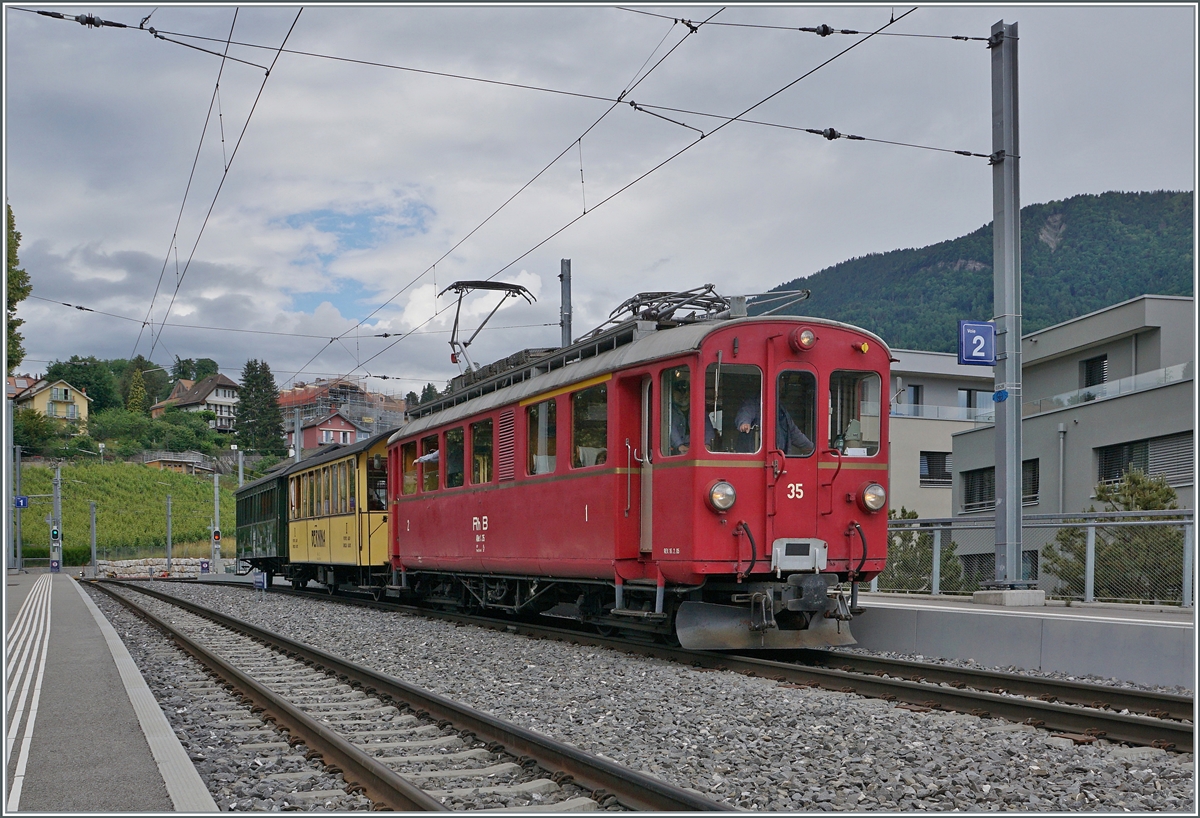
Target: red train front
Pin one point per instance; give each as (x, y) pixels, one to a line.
(711, 481)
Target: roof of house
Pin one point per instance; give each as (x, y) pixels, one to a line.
(331, 416)
(200, 390)
(41, 386)
(19, 383)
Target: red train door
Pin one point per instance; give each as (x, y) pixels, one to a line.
(792, 454)
(636, 524)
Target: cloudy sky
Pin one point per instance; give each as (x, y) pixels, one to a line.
(356, 181)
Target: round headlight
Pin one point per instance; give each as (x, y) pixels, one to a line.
(802, 339)
(874, 497)
(721, 496)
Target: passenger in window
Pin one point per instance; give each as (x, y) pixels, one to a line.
(681, 432)
(788, 436)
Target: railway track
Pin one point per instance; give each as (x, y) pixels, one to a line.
(1079, 711)
(404, 747)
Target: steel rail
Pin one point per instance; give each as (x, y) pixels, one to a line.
(380, 783)
(1159, 705)
(633, 789)
(1130, 728)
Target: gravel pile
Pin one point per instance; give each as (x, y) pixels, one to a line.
(246, 766)
(750, 742)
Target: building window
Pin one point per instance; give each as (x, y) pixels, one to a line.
(916, 394)
(72, 411)
(979, 487)
(968, 399)
(1169, 457)
(50, 410)
(936, 468)
(326, 435)
(1095, 370)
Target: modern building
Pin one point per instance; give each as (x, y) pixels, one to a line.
(369, 411)
(216, 393)
(1102, 393)
(54, 399)
(932, 397)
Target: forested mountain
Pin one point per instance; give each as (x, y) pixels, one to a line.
(1077, 255)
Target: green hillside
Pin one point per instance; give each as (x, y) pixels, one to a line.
(131, 509)
(1077, 255)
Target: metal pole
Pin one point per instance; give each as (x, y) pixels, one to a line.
(937, 561)
(168, 533)
(216, 546)
(1188, 546)
(296, 441)
(93, 515)
(10, 512)
(1089, 567)
(564, 311)
(1006, 261)
(241, 468)
(20, 566)
(1062, 475)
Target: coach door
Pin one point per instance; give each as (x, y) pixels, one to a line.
(636, 466)
(789, 441)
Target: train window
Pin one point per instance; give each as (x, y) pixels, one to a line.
(339, 492)
(351, 485)
(408, 468)
(796, 418)
(589, 426)
(454, 457)
(326, 492)
(481, 451)
(854, 413)
(675, 436)
(542, 433)
(733, 408)
(429, 463)
(376, 483)
(293, 499)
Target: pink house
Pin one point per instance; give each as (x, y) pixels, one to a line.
(330, 429)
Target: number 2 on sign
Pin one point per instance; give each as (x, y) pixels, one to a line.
(795, 491)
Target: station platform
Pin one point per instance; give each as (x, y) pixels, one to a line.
(1146, 644)
(82, 731)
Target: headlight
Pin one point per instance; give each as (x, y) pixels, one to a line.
(721, 496)
(873, 497)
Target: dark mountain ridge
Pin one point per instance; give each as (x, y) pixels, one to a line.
(1077, 255)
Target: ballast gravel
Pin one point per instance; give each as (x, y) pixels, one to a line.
(747, 741)
(246, 764)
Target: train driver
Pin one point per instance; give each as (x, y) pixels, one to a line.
(787, 433)
(681, 433)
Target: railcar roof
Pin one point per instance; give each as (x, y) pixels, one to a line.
(334, 452)
(659, 344)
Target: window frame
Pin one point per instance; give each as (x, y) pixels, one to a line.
(576, 459)
(491, 453)
(551, 438)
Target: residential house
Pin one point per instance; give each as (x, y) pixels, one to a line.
(54, 399)
(932, 397)
(216, 393)
(334, 428)
(370, 411)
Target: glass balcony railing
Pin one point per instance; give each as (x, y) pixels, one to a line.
(921, 410)
(1123, 386)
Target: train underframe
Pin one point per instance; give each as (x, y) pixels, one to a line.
(801, 610)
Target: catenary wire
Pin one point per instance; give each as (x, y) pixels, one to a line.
(821, 30)
(186, 190)
(670, 158)
(225, 175)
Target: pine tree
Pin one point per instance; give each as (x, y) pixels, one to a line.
(259, 425)
(18, 290)
(137, 394)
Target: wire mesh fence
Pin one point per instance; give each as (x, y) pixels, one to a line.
(1133, 557)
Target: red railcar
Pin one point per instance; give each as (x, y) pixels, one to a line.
(715, 482)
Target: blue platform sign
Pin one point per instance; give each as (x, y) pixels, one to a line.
(20, 501)
(260, 580)
(54, 566)
(977, 343)
(203, 566)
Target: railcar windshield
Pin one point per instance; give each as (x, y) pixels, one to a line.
(676, 435)
(376, 482)
(408, 468)
(589, 426)
(454, 457)
(854, 413)
(796, 413)
(733, 408)
(481, 451)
